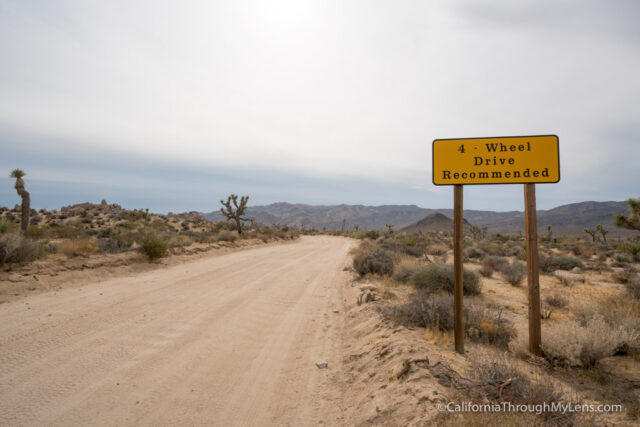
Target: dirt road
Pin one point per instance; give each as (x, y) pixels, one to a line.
(227, 340)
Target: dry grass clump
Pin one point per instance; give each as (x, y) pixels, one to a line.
(76, 247)
(228, 236)
(633, 287)
(436, 278)
(404, 269)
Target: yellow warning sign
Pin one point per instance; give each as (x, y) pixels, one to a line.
(500, 160)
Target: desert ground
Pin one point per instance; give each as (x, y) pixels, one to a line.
(222, 340)
(351, 329)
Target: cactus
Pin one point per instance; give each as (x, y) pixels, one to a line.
(356, 227)
(236, 211)
(18, 174)
(632, 222)
(389, 228)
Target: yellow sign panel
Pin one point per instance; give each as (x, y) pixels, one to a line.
(501, 160)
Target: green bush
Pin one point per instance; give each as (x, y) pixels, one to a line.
(5, 226)
(436, 278)
(375, 261)
(154, 247)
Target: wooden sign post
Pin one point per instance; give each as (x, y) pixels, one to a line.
(458, 310)
(502, 160)
(531, 227)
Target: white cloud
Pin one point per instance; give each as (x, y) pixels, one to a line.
(327, 88)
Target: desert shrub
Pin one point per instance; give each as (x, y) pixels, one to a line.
(494, 262)
(422, 310)
(487, 325)
(373, 261)
(558, 262)
(68, 231)
(515, 249)
(555, 301)
(228, 236)
(76, 247)
(497, 380)
(436, 312)
(622, 258)
(583, 345)
(5, 226)
(486, 270)
(474, 253)
(439, 277)
(493, 248)
(622, 277)
(371, 234)
(633, 287)
(109, 245)
(15, 248)
(404, 269)
(154, 247)
(397, 247)
(621, 313)
(513, 273)
(438, 249)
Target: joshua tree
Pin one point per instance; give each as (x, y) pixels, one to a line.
(600, 229)
(592, 232)
(549, 233)
(632, 222)
(24, 195)
(236, 211)
(344, 222)
(356, 227)
(389, 227)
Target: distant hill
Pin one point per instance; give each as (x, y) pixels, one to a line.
(565, 219)
(434, 222)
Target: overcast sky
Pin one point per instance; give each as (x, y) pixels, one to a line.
(174, 105)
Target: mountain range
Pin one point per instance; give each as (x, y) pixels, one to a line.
(565, 219)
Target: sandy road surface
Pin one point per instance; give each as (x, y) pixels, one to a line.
(227, 340)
